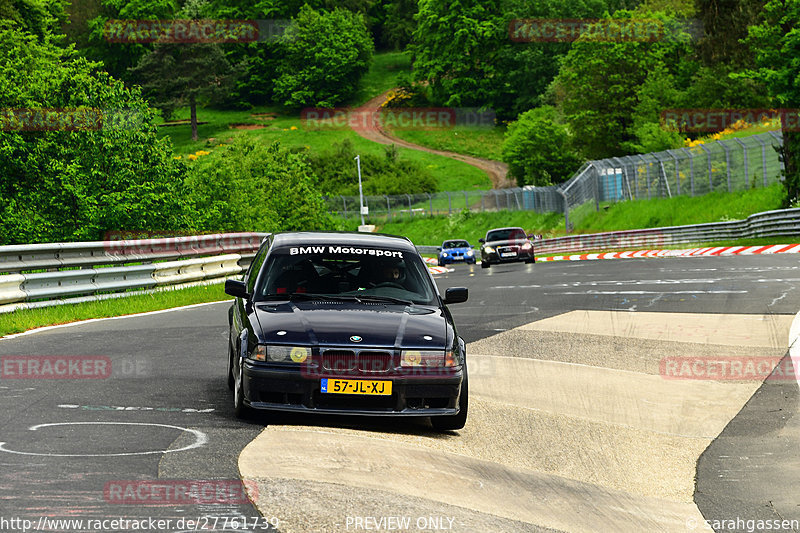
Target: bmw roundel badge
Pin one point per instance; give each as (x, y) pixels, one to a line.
(356, 338)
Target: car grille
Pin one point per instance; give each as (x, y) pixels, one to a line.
(368, 361)
(339, 360)
(504, 249)
(376, 361)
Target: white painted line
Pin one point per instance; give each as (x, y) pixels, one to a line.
(148, 313)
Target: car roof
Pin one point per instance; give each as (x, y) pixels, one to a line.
(456, 240)
(349, 238)
(501, 229)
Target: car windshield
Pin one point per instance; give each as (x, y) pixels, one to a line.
(513, 234)
(346, 272)
(455, 244)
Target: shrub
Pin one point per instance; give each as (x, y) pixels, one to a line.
(387, 174)
(537, 148)
(76, 185)
(247, 186)
(325, 54)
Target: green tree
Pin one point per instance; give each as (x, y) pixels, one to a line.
(468, 53)
(599, 84)
(248, 186)
(176, 75)
(776, 43)
(110, 173)
(538, 148)
(119, 57)
(39, 17)
(325, 54)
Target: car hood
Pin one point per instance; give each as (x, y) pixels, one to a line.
(511, 242)
(463, 250)
(335, 323)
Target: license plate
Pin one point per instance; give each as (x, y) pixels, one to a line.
(356, 386)
(457, 258)
(508, 254)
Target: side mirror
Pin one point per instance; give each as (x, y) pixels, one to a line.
(438, 248)
(236, 288)
(482, 241)
(456, 295)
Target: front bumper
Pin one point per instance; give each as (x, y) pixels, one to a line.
(290, 389)
(450, 259)
(495, 258)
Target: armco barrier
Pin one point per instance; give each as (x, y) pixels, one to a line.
(229, 254)
(779, 223)
(26, 257)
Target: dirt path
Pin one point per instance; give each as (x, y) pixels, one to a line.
(373, 131)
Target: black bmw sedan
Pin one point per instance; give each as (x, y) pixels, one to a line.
(345, 323)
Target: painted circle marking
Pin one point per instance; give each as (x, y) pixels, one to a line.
(200, 439)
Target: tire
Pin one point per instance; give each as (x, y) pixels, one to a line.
(439, 263)
(231, 379)
(241, 411)
(530, 261)
(453, 422)
(485, 264)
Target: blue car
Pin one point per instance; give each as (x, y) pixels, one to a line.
(456, 251)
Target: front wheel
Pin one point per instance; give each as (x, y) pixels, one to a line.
(453, 422)
(485, 264)
(239, 408)
(231, 379)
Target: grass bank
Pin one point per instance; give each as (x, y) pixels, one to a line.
(25, 319)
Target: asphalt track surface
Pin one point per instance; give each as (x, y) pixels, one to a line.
(573, 425)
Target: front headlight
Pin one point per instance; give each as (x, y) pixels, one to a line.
(489, 250)
(281, 354)
(470, 253)
(427, 358)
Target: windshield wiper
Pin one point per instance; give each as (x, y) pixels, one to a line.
(311, 296)
(379, 298)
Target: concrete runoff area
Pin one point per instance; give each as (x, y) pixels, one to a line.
(554, 440)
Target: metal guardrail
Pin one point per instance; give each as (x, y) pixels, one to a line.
(82, 272)
(778, 223)
(26, 257)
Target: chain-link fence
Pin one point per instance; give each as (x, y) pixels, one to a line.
(729, 165)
